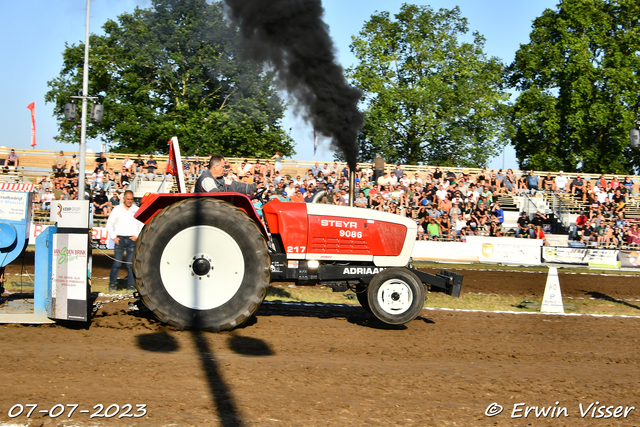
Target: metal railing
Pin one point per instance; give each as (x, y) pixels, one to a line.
(529, 206)
(139, 185)
(562, 211)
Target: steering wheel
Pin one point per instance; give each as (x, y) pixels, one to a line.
(261, 195)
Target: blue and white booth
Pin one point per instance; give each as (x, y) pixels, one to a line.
(62, 258)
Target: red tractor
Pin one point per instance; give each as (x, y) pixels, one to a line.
(205, 260)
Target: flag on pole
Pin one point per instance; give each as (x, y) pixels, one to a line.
(315, 142)
(172, 168)
(174, 164)
(32, 107)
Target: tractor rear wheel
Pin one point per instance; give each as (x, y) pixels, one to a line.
(396, 296)
(202, 263)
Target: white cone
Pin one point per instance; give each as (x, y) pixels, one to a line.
(552, 300)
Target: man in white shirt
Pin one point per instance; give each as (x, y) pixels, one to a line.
(472, 194)
(384, 179)
(290, 190)
(123, 229)
(367, 173)
(441, 193)
(126, 164)
(561, 182)
(230, 177)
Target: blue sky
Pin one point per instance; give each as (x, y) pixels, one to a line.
(34, 33)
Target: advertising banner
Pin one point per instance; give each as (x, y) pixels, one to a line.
(99, 236)
(446, 251)
(565, 255)
(629, 259)
(70, 213)
(582, 256)
(607, 258)
(13, 206)
(508, 250)
(69, 281)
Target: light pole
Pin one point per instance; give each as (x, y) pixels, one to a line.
(85, 89)
(96, 112)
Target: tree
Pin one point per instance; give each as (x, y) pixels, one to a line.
(429, 97)
(173, 70)
(580, 88)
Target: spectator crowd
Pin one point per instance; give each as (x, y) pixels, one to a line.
(104, 187)
(444, 204)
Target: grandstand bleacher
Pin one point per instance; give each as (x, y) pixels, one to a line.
(35, 164)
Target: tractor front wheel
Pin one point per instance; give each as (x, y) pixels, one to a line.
(396, 296)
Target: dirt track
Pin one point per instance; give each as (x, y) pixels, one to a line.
(329, 365)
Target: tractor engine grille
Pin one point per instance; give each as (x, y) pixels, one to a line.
(339, 245)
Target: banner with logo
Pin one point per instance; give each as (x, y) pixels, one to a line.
(13, 206)
(629, 259)
(69, 280)
(99, 236)
(70, 213)
(507, 250)
(607, 258)
(565, 255)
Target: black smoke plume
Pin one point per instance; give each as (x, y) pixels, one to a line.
(291, 36)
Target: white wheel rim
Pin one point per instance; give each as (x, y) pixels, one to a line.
(206, 291)
(394, 297)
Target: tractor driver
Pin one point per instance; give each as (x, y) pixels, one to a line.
(212, 180)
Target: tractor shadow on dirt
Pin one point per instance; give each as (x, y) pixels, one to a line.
(598, 295)
(159, 342)
(352, 313)
(249, 346)
(222, 398)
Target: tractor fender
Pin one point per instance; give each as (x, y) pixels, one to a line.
(155, 202)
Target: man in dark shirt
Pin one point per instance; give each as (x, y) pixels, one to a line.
(399, 172)
(437, 174)
(279, 190)
(101, 203)
(523, 229)
(212, 180)
(589, 234)
(378, 168)
(472, 225)
(139, 164)
(577, 186)
(481, 213)
(539, 219)
(125, 179)
(619, 200)
(152, 165)
(101, 161)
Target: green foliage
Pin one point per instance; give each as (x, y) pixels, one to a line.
(430, 97)
(173, 70)
(580, 88)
